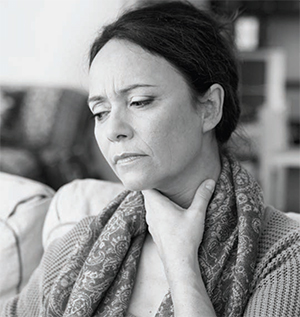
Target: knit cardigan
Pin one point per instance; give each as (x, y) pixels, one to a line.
(274, 291)
(276, 287)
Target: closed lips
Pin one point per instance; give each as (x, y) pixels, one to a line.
(127, 157)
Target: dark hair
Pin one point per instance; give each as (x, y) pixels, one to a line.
(192, 41)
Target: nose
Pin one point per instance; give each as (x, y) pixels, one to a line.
(118, 127)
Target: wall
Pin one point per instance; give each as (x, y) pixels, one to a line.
(46, 41)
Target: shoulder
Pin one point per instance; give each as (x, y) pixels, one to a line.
(279, 243)
(276, 281)
(278, 225)
(278, 229)
(75, 201)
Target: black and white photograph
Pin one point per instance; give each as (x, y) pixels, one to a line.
(149, 158)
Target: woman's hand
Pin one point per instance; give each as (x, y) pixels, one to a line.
(177, 233)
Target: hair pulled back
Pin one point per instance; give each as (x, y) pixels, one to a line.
(192, 41)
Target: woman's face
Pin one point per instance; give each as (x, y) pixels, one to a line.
(146, 124)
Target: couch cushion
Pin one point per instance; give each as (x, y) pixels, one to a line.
(75, 201)
(24, 204)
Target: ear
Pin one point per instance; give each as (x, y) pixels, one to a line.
(212, 107)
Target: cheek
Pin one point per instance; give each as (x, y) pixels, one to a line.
(178, 139)
(166, 136)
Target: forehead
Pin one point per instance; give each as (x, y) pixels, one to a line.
(121, 63)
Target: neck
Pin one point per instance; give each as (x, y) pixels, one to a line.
(182, 189)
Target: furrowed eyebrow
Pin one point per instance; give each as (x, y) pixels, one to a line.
(132, 87)
(96, 99)
(122, 92)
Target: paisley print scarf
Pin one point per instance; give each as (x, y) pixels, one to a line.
(99, 275)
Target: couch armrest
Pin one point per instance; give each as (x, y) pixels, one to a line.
(24, 204)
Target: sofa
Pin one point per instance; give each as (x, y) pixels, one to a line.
(24, 205)
(45, 133)
(32, 215)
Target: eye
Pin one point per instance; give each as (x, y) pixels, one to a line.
(100, 116)
(141, 103)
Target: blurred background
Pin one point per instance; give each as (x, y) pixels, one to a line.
(46, 130)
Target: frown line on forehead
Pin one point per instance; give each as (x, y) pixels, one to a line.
(123, 91)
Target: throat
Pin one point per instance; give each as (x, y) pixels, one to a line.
(182, 189)
(183, 197)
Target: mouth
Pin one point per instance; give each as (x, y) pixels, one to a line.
(126, 158)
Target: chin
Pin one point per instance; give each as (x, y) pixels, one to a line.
(135, 186)
(136, 183)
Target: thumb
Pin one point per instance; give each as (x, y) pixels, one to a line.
(203, 195)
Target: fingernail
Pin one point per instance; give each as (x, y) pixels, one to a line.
(210, 185)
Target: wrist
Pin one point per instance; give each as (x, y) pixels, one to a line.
(182, 265)
(181, 271)
(189, 294)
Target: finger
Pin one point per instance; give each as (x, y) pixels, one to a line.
(203, 195)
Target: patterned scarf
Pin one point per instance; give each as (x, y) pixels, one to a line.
(99, 276)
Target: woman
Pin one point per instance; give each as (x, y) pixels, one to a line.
(163, 91)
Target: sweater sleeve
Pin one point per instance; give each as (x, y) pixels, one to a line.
(31, 302)
(276, 291)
